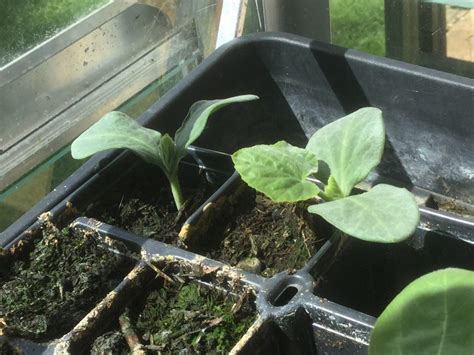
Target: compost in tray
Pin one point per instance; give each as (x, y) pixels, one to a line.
(141, 202)
(261, 236)
(53, 280)
(181, 315)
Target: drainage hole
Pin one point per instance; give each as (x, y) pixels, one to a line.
(284, 297)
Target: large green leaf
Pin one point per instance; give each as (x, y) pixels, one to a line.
(352, 146)
(432, 315)
(279, 171)
(197, 117)
(117, 130)
(385, 214)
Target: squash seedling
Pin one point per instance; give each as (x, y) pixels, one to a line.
(350, 147)
(117, 130)
(432, 315)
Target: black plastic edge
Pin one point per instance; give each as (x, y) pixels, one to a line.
(254, 40)
(56, 202)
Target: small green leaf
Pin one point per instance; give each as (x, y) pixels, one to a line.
(279, 171)
(332, 191)
(117, 130)
(385, 214)
(352, 146)
(167, 153)
(197, 117)
(432, 315)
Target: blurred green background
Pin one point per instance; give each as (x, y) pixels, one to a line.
(26, 23)
(358, 24)
(355, 24)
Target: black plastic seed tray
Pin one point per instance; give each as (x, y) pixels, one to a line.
(328, 306)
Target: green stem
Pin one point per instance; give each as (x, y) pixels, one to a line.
(331, 191)
(324, 196)
(176, 191)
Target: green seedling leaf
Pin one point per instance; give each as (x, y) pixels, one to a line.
(332, 190)
(385, 214)
(352, 146)
(169, 163)
(279, 171)
(197, 117)
(117, 130)
(167, 155)
(432, 315)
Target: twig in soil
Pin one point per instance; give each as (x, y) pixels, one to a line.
(253, 245)
(120, 204)
(61, 291)
(161, 273)
(142, 208)
(212, 324)
(179, 279)
(238, 305)
(3, 326)
(130, 336)
(304, 241)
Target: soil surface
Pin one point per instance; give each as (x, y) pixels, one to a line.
(261, 236)
(145, 206)
(111, 342)
(183, 318)
(7, 349)
(50, 289)
(452, 206)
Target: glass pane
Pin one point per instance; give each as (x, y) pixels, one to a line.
(27, 23)
(127, 60)
(21, 196)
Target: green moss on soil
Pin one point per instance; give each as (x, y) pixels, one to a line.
(191, 318)
(51, 289)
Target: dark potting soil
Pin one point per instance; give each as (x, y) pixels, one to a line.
(8, 349)
(50, 289)
(261, 236)
(184, 318)
(111, 342)
(145, 206)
